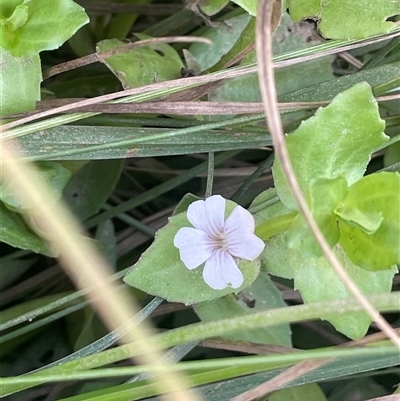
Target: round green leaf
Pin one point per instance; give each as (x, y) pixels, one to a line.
(337, 141)
(160, 271)
(376, 197)
(49, 24)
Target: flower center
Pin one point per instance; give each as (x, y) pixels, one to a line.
(221, 242)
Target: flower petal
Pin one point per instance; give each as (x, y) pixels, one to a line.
(208, 215)
(240, 237)
(221, 271)
(194, 246)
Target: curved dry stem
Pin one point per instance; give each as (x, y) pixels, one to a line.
(269, 95)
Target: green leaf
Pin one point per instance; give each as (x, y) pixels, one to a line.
(275, 256)
(48, 26)
(160, 271)
(19, 82)
(185, 202)
(17, 19)
(212, 7)
(91, 186)
(373, 240)
(52, 173)
(144, 65)
(246, 39)
(347, 19)
(323, 198)
(317, 281)
(337, 141)
(15, 232)
(392, 155)
(367, 222)
(224, 38)
(261, 295)
(309, 392)
(249, 5)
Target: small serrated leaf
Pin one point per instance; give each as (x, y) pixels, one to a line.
(337, 141)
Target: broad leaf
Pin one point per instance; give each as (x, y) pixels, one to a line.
(323, 198)
(317, 281)
(337, 141)
(347, 19)
(19, 82)
(261, 295)
(48, 24)
(224, 37)
(212, 7)
(160, 271)
(369, 221)
(143, 65)
(14, 231)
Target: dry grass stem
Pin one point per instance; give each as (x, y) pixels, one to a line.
(186, 83)
(87, 268)
(268, 91)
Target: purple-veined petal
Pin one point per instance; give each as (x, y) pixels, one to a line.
(208, 215)
(239, 219)
(240, 237)
(195, 246)
(221, 271)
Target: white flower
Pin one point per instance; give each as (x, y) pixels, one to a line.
(216, 241)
